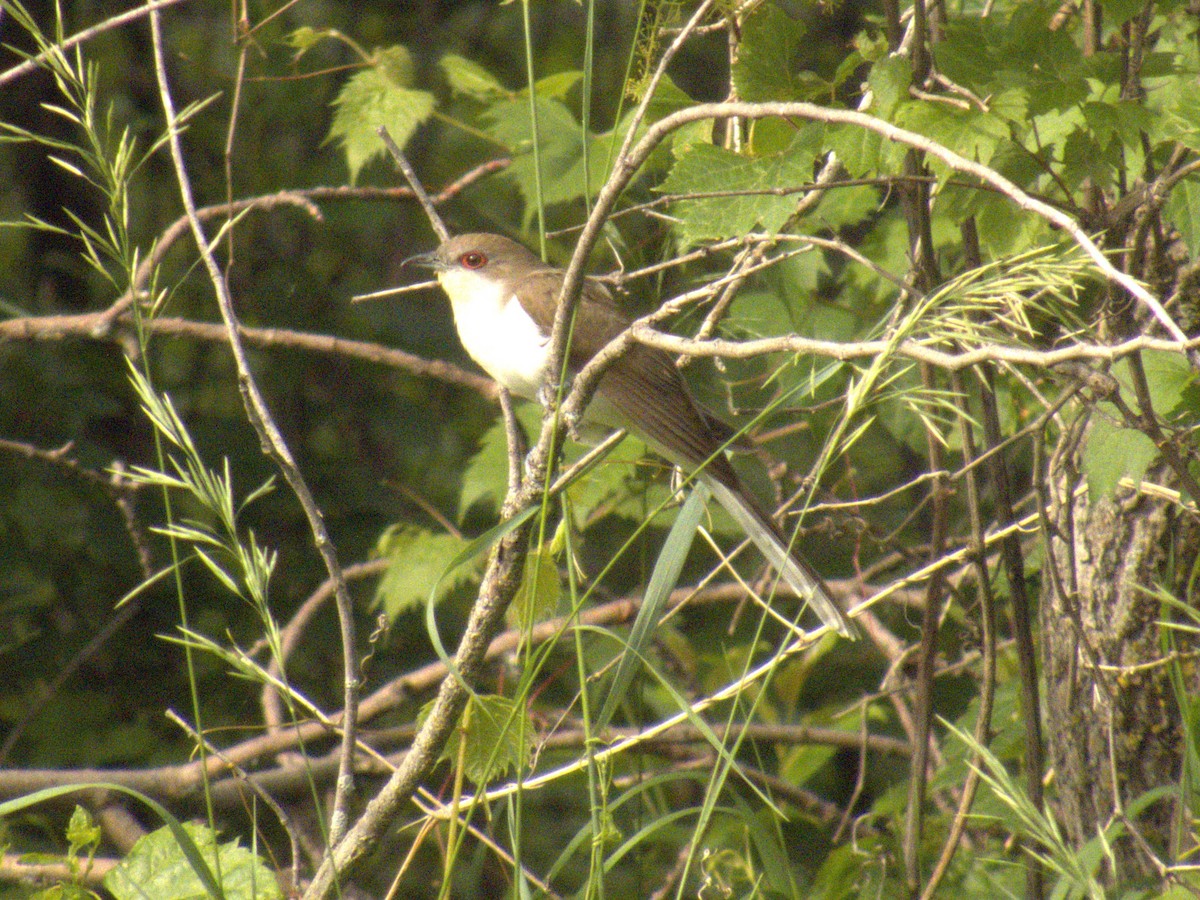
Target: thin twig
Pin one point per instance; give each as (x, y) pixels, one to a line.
(272, 441)
(87, 34)
(435, 220)
(987, 691)
(926, 658)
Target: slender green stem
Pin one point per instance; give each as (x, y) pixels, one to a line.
(533, 126)
(585, 115)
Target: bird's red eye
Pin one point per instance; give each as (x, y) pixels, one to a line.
(473, 260)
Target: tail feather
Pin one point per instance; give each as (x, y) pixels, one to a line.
(802, 579)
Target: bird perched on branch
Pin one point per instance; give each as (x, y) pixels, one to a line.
(504, 300)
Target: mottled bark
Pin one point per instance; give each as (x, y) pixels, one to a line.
(1114, 725)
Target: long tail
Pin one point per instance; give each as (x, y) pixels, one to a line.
(797, 573)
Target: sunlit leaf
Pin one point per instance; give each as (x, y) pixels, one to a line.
(419, 558)
(156, 867)
(541, 588)
(378, 95)
(763, 70)
(497, 734)
(470, 78)
(704, 168)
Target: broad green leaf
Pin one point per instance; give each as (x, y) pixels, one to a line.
(1085, 160)
(419, 558)
(470, 78)
(1113, 452)
(1178, 118)
(763, 70)
(1123, 120)
(890, 79)
(1169, 379)
(1183, 211)
(608, 482)
(562, 143)
(497, 733)
(800, 763)
(847, 206)
(378, 95)
(968, 132)
(863, 153)
(556, 86)
(989, 55)
(560, 146)
(704, 169)
(1118, 12)
(156, 867)
(485, 479)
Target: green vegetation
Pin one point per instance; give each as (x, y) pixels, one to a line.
(288, 607)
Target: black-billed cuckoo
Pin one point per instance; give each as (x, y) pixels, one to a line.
(504, 298)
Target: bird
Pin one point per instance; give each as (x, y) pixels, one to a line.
(504, 297)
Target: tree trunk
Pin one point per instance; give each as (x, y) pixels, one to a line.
(1115, 725)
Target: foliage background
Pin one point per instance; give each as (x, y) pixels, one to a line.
(1095, 114)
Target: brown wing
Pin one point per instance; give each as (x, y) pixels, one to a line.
(643, 385)
(598, 318)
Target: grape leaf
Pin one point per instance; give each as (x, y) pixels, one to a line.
(156, 867)
(704, 168)
(420, 561)
(1113, 452)
(763, 70)
(378, 95)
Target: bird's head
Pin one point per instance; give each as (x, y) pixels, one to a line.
(486, 255)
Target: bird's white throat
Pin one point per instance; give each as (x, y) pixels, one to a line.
(497, 332)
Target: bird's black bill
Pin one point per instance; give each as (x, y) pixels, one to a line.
(422, 261)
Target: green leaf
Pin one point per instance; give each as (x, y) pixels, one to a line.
(763, 70)
(560, 145)
(662, 581)
(1123, 120)
(485, 479)
(1183, 211)
(156, 867)
(704, 168)
(863, 153)
(555, 87)
(1118, 12)
(890, 79)
(305, 38)
(82, 832)
(378, 95)
(1169, 379)
(1113, 452)
(989, 55)
(470, 78)
(847, 206)
(968, 132)
(496, 730)
(537, 597)
(419, 558)
(1179, 117)
(608, 482)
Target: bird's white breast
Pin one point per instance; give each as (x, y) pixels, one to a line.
(497, 332)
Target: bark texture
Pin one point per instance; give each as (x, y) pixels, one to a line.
(1114, 723)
